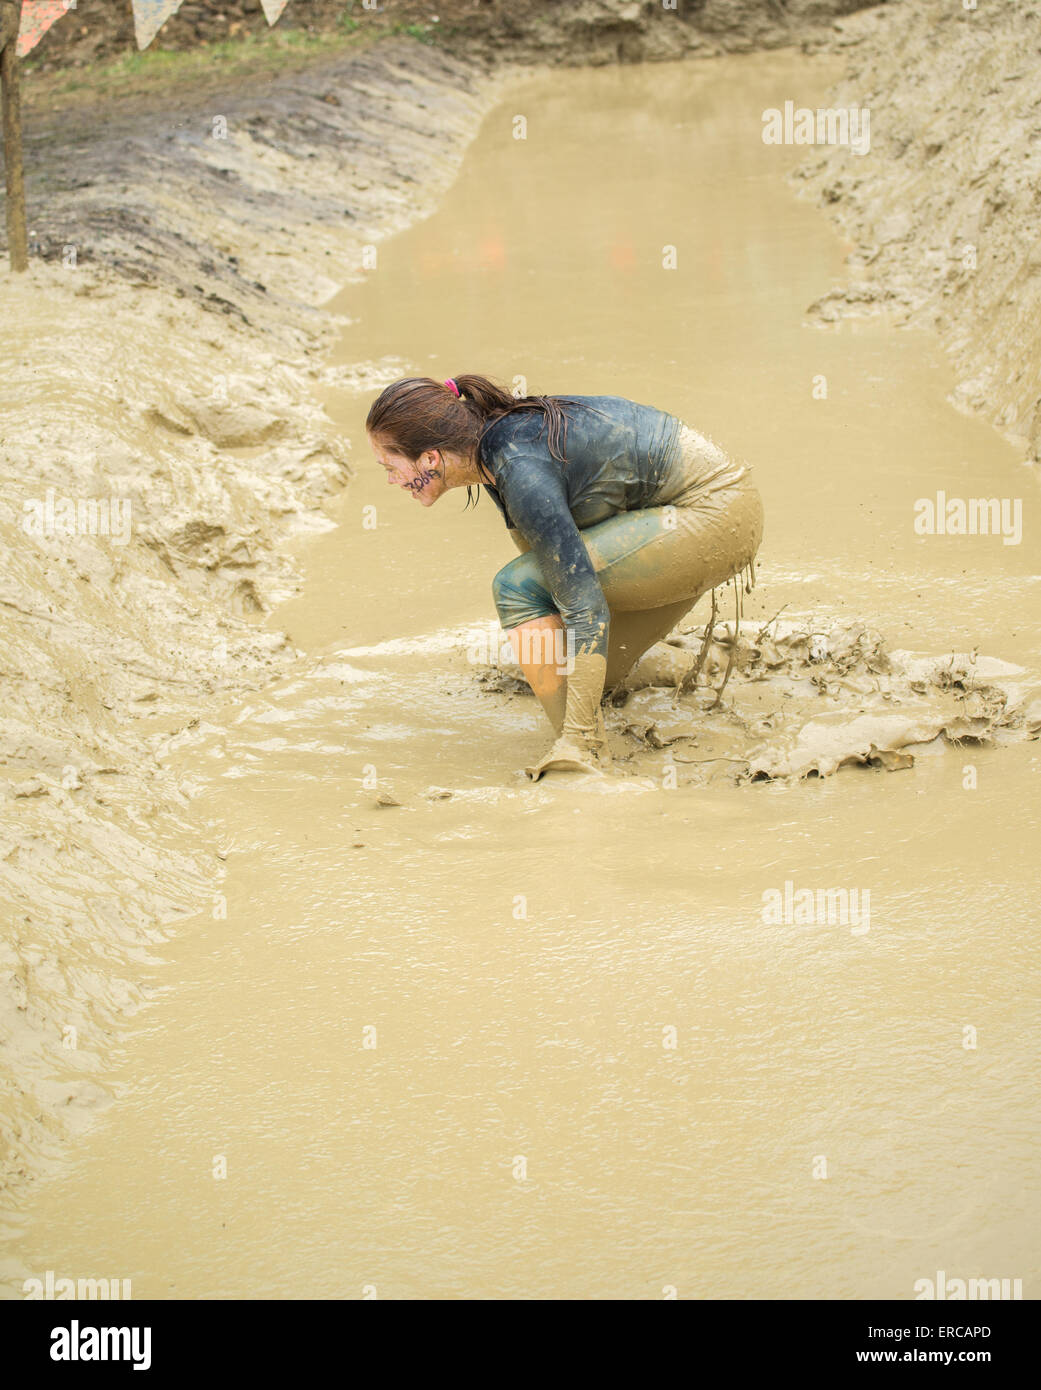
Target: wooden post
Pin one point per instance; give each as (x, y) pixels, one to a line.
(17, 241)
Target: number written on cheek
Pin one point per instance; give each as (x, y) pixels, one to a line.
(419, 482)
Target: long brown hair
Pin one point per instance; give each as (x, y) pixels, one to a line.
(418, 413)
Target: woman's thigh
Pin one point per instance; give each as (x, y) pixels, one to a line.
(654, 565)
(656, 558)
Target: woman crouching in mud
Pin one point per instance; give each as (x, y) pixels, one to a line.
(623, 514)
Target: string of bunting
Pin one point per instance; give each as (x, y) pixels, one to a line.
(149, 18)
(151, 15)
(37, 18)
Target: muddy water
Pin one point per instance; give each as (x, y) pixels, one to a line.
(538, 1041)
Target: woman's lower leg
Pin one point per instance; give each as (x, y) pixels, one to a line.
(540, 650)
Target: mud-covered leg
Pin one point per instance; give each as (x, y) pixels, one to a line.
(632, 634)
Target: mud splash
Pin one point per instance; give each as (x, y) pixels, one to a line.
(465, 1036)
(806, 699)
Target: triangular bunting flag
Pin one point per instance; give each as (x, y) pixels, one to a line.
(150, 16)
(37, 18)
(273, 8)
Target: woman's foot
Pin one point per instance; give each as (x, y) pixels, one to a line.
(567, 755)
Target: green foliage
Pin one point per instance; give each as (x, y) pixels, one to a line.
(266, 52)
(425, 33)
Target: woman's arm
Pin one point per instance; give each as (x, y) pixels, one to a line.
(533, 490)
(518, 540)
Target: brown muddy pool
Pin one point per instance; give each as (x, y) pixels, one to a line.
(500, 1040)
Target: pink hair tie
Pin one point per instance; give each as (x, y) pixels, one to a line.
(450, 383)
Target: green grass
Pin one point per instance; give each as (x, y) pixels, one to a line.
(346, 21)
(157, 69)
(159, 72)
(425, 33)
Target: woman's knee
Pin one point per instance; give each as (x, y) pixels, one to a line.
(520, 593)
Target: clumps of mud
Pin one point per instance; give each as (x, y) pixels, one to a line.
(805, 699)
(801, 698)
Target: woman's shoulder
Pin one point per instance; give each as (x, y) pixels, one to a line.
(615, 408)
(524, 431)
(516, 430)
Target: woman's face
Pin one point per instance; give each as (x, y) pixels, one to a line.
(424, 478)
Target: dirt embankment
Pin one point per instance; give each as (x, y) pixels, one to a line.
(159, 444)
(558, 31)
(946, 206)
(254, 197)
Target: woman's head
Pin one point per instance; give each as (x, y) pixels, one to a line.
(428, 437)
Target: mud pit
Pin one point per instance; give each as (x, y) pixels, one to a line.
(427, 1020)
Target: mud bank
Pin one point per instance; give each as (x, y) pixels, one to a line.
(160, 443)
(634, 31)
(555, 31)
(253, 198)
(945, 208)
